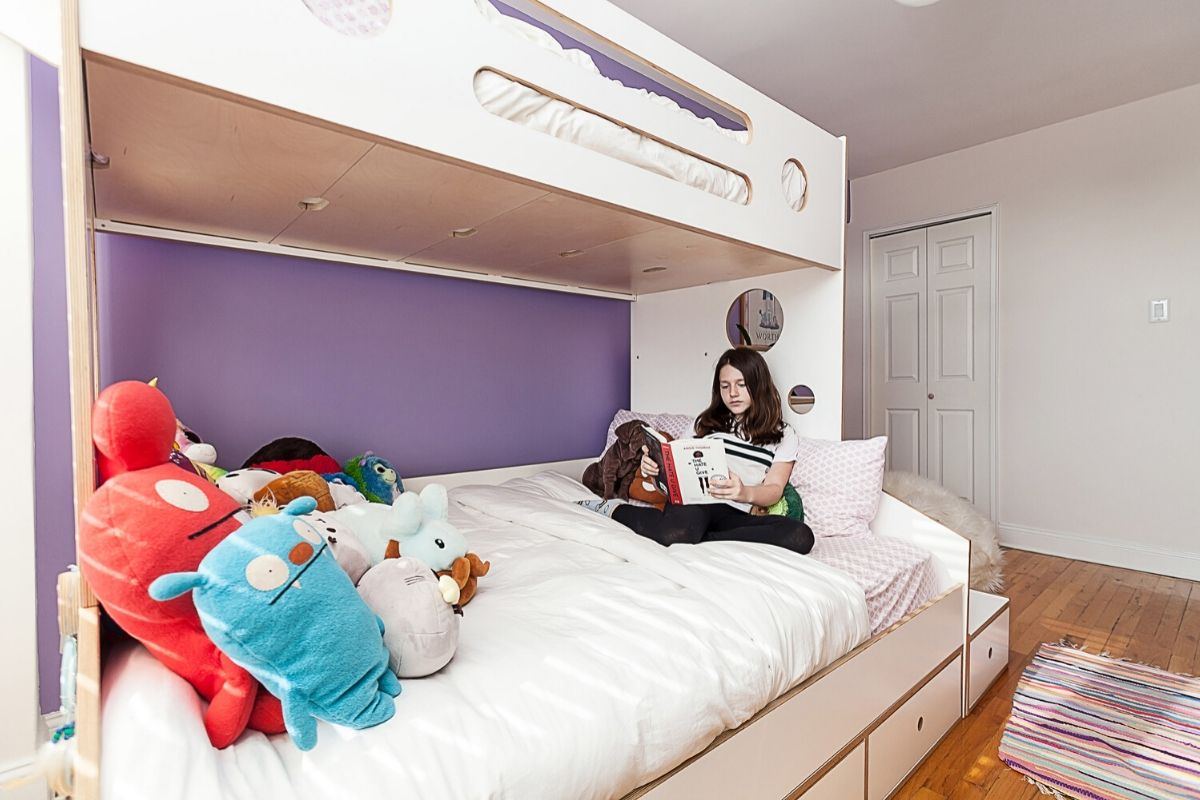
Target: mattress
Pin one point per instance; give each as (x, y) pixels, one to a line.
(591, 661)
(896, 576)
(531, 108)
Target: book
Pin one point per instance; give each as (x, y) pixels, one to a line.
(687, 466)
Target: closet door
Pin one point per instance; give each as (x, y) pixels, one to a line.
(960, 369)
(899, 406)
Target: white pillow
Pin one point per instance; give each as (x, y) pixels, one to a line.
(680, 426)
(840, 484)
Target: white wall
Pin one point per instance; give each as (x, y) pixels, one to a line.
(19, 718)
(1099, 411)
(678, 336)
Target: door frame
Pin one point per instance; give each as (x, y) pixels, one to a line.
(993, 212)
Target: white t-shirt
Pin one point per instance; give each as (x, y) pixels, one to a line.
(752, 461)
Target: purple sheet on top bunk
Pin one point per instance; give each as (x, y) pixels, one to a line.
(896, 576)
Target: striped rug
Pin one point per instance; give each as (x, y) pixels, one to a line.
(1086, 726)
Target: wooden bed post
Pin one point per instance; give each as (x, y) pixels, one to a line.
(83, 346)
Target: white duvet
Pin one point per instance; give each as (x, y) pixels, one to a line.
(590, 662)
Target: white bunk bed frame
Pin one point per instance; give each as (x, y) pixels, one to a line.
(855, 729)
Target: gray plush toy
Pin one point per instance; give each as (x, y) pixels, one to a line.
(417, 608)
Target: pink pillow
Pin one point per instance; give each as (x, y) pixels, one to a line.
(678, 425)
(840, 484)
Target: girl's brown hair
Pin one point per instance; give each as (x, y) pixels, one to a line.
(763, 421)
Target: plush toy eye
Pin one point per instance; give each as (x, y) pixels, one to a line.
(182, 495)
(380, 469)
(266, 573)
(307, 532)
(441, 545)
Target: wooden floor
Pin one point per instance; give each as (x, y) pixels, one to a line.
(1135, 615)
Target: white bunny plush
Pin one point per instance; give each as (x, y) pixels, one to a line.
(417, 522)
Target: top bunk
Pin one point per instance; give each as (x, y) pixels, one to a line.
(453, 134)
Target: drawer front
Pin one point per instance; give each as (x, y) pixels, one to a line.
(843, 782)
(989, 656)
(904, 738)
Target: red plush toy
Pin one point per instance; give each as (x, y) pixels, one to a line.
(149, 518)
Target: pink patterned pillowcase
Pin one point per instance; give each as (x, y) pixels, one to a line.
(840, 484)
(678, 425)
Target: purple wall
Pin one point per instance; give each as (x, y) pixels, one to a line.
(611, 68)
(436, 374)
(54, 514)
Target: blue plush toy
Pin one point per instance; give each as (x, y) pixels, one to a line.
(312, 643)
(374, 477)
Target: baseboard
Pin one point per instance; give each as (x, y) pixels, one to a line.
(1160, 561)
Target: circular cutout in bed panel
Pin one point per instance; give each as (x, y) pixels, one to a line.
(755, 320)
(795, 184)
(358, 18)
(801, 399)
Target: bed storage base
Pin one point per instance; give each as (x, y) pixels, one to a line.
(883, 706)
(787, 748)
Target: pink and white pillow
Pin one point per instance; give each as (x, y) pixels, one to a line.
(840, 484)
(680, 426)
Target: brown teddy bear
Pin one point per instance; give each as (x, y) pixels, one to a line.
(618, 473)
(464, 570)
(299, 483)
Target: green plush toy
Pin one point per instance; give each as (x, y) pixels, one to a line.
(789, 505)
(376, 479)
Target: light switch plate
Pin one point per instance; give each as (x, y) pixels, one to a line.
(1159, 311)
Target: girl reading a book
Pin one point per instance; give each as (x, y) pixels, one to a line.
(746, 414)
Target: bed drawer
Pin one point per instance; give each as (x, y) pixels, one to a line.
(843, 782)
(989, 657)
(912, 730)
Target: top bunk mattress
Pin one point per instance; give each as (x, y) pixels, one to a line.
(531, 108)
(590, 662)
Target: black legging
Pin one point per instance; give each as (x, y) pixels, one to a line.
(713, 522)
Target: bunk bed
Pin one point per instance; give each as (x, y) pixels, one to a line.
(286, 125)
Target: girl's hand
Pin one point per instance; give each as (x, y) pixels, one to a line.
(648, 467)
(730, 488)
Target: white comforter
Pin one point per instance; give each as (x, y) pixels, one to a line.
(590, 662)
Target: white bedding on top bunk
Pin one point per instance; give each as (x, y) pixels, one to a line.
(528, 107)
(591, 661)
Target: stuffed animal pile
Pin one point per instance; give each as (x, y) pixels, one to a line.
(149, 518)
(313, 642)
(291, 541)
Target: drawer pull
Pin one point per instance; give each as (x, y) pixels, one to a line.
(920, 723)
(989, 653)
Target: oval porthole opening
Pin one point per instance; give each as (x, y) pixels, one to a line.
(794, 182)
(801, 399)
(754, 320)
(359, 19)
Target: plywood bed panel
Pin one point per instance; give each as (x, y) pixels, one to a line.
(538, 233)
(411, 87)
(179, 156)
(392, 203)
(183, 158)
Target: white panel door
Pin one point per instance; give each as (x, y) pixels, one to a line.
(960, 369)
(898, 348)
(931, 370)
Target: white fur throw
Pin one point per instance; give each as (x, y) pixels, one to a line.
(938, 503)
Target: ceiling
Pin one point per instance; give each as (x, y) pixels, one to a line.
(904, 84)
